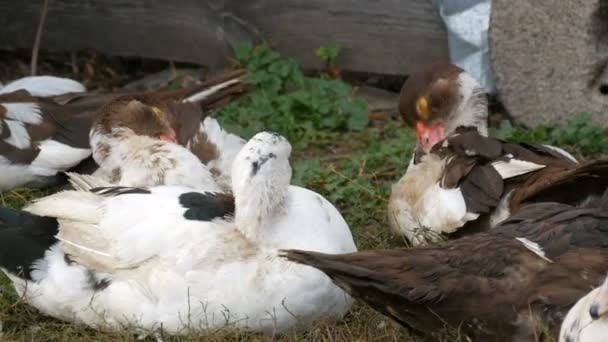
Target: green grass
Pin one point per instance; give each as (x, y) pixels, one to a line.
(580, 135)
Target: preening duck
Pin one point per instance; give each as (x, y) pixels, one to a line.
(189, 112)
(173, 257)
(515, 283)
(587, 321)
(135, 145)
(459, 176)
(45, 123)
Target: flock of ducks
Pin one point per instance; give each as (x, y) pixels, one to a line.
(179, 225)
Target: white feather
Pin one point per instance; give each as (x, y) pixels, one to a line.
(44, 86)
(421, 209)
(534, 247)
(19, 137)
(86, 182)
(55, 157)
(26, 112)
(412, 160)
(228, 145)
(472, 110)
(502, 210)
(210, 91)
(562, 152)
(69, 205)
(83, 248)
(444, 208)
(515, 167)
(14, 174)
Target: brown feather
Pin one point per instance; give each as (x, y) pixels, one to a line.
(442, 96)
(558, 183)
(470, 157)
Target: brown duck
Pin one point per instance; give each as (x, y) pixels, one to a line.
(460, 180)
(515, 283)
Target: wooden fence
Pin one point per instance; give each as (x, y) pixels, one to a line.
(378, 36)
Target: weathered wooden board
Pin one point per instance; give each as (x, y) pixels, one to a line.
(381, 36)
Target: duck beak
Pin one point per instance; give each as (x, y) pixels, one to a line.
(599, 306)
(429, 135)
(171, 136)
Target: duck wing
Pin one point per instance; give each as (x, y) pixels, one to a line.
(485, 169)
(112, 228)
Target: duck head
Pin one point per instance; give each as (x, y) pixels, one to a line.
(130, 115)
(439, 99)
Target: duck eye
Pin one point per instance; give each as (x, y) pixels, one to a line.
(159, 114)
(422, 108)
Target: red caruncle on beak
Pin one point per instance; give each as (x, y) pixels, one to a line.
(429, 134)
(171, 136)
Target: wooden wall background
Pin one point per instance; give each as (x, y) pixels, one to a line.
(378, 36)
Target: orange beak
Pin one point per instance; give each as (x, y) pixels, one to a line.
(171, 136)
(429, 135)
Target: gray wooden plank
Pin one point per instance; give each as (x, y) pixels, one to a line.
(380, 36)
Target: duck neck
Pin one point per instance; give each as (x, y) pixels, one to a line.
(472, 111)
(257, 201)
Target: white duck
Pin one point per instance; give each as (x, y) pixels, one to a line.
(169, 256)
(587, 321)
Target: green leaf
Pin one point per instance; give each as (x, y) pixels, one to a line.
(358, 121)
(329, 53)
(304, 109)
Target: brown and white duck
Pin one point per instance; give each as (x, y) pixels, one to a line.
(515, 283)
(135, 145)
(459, 177)
(45, 123)
(39, 137)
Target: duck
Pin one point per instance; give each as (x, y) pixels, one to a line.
(45, 123)
(586, 321)
(459, 180)
(513, 283)
(36, 140)
(135, 144)
(179, 259)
